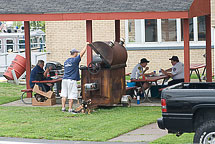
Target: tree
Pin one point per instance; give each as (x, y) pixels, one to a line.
(38, 25)
(33, 24)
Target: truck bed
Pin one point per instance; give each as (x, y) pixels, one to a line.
(183, 101)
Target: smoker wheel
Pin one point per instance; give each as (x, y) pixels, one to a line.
(94, 67)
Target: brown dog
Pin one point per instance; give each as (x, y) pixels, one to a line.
(84, 107)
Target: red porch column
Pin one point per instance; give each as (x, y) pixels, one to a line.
(27, 55)
(186, 51)
(208, 48)
(117, 30)
(89, 39)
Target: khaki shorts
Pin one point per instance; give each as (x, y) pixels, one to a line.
(69, 89)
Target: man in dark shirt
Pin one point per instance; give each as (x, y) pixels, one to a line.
(71, 76)
(39, 74)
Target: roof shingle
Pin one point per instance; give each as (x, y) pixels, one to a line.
(91, 6)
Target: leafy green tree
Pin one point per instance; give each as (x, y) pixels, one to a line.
(38, 25)
(17, 24)
(33, 24)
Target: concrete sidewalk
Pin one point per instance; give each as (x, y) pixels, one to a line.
(8, 140)
(155, 102)
(28, 100)
(146, 133)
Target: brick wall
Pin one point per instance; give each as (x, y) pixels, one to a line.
(63, 36)
(160, 58)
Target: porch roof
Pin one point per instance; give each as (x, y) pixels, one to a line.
(54, 10)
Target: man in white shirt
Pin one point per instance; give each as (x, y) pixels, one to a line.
(139, 70)
(176, 72)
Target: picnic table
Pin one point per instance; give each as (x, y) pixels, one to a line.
(49, 81)
(196, 67)
(150, 79)
(52, 81)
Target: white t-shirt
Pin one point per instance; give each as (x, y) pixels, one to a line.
(178, 71)
(137, 71)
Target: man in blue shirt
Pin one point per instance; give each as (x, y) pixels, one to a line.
(71, 76)
(39, 74)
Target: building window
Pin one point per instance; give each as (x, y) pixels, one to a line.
(201, 28)
(191, 30)
(169, 32)
(134, 31)
(9, 45)
(151, 30)
(21, 44)
(35, 42)
(131, 30)
(146, 32)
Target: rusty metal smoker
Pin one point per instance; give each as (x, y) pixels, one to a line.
(103, 81)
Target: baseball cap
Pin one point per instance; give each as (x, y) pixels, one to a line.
(74, 51)
(174, 58)
(144, 60)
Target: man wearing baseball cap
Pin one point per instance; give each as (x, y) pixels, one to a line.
(139, 70)
(176, 72)
(71, 76)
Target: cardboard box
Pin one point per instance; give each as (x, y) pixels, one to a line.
(48, 102)
(49, 94)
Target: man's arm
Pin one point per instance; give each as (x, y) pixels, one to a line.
(166, 73)
(46, 71)
(144, 72)
(83, 50)
(147, 68)
(169, 70)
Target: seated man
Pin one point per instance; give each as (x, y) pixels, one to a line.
(140, 70)
(39, 74)
(176, 72)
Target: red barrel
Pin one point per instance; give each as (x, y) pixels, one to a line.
(18, 64)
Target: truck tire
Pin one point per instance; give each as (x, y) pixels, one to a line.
(205, 133)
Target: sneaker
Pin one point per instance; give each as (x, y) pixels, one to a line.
(63, 109)
(72, 111)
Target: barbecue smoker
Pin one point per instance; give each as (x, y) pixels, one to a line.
(103, 81)
(57, 68)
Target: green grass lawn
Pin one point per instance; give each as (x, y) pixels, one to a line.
(186, 138)
(51, 123)
(10, 92)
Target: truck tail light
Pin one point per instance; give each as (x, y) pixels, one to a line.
(163, 105)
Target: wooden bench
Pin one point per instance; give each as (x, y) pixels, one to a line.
(131, 88)
(26, 90)
(134, 89)
(23, 92)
